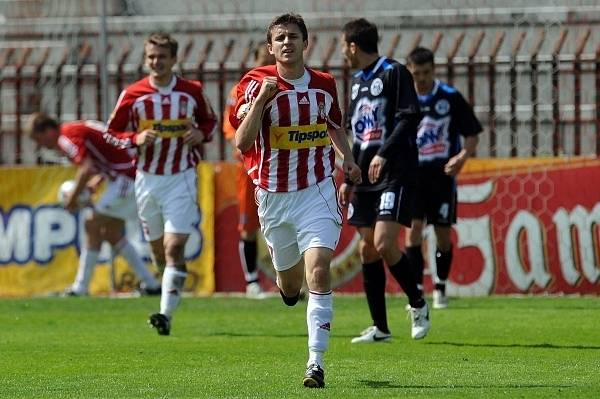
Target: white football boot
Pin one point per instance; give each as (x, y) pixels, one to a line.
(440, 300)
(254, 291)
(420, 322)
(372, 335)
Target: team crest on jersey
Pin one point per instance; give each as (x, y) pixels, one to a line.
(376, 87)
(322, 112)
(442, 106)
(183, 104)
(355, 88)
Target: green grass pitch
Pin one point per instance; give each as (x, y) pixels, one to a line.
(236, 348)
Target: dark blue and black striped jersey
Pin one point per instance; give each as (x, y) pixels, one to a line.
(446, 117)
(383, 115)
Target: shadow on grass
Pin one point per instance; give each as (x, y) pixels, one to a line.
(392, 385)
(269, 335)
(531, 346)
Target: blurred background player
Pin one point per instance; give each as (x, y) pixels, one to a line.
(383, 116)
(447, 116)
(83, 144)
(171, 119)
(248, 213)
(286, 117)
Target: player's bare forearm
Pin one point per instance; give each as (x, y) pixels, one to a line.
(82, 176)
(470, 146)
(340, 143)
(246, 134)
(456, 163)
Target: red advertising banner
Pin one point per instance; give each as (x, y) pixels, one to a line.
(524, 226)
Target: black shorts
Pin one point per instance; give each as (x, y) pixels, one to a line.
(435, 198)
(393, 203)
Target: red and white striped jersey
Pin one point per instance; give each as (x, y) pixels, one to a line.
(82, 139)
(168, 111)
(293, 149)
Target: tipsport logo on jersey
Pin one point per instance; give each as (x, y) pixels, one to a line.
(298, 137)
(368, 121)
(166, 128)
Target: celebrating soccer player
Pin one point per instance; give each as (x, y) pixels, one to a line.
(286, 117)
(171, 119)
(447, 116)
(383, 116)
(248, 212)
(82, 143)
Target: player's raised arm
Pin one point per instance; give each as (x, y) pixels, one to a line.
(250, 114)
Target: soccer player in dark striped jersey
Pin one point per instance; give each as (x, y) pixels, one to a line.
(383, 116)
(447, 116)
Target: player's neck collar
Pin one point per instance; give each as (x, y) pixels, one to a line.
(164, 89)
(434, 89)
(301, 81)
(368, 72)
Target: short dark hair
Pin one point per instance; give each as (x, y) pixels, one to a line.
(163, 39)
(38, 123)
(286, 19)
(363, 33)
(421, 56)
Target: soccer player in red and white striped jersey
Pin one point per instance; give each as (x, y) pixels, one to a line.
(170, 119)
(287, 117)
(293, 150)
(82, 143)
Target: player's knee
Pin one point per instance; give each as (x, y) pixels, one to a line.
(444, 245)
(114, 236)
(92, 226)
(385, 246)
(175, 250)
(416, 233)
(444, 239)
(367, 251)
(318, 278)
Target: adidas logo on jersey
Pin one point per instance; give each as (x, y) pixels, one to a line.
(303, 101)
(166, 101)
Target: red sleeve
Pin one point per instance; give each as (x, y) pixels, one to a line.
(334, 118)
(116, 132)
(247, 90)
(204, 116)
(72, 142)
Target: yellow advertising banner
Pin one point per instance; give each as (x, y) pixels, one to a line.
(40, 241)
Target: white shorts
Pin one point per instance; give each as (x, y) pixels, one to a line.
(118, 201)
(296, 221)
(167, 203)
